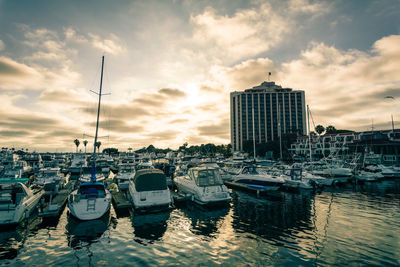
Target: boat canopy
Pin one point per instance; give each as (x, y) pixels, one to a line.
(92, 190)
(150, 180)
(206, 177)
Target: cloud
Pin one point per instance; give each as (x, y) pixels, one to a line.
(172, 92)
(27, 121)
(149, 100)
(250, 32)
(255, 31)
(111, 45)
(246, 74)
(220, 130)
(304, 6)
(163, 135)
(178, 121)
(15, 133)
(17, 76)
(72, 36)
(2, 45)
(118, 111)
(49, 65)
(118, 126)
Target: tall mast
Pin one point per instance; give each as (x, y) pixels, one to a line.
(98, 107)
(254, 130)
(280, 131)
(393, 127)
(309, 132)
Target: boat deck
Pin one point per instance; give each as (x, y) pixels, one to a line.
(180, 198)
(120, 201)
(56, 204)
(273, 195)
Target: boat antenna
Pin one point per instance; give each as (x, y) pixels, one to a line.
(98, 106)
(280, 131)
(309, 132)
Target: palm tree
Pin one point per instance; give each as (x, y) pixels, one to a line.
(76, 141)
(330, 129)
(85, 142)
(319, 129)
(98, 144)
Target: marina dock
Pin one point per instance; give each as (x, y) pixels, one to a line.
(120, 200)
(180, 198)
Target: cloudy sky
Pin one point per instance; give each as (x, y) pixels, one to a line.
(170, 65)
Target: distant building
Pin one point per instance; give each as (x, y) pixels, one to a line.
(385, 143)
(271, 102)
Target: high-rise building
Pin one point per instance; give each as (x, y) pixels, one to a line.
(267, 103)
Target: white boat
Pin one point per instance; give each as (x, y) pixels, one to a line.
(339, 174)
(148, 190)
(51, 179)
(144, 165)
(17, 202)
(204, 184)
(78, 163)
(317, 179)
(389, 172)
(90, 201)
(368, 176)
(125, 174)
(294, 178)
(257, 179)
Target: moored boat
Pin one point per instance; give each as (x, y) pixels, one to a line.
(254, 178)
(205, 186)
(148, 190)
(17, 202)
(90, 201)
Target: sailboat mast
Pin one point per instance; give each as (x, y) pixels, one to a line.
(98, 107)
(309, 132)
(280, 131)
(392, 126)
(254, 131)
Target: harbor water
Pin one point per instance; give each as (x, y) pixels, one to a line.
(352, 225)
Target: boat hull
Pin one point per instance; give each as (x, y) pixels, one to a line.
(89, 209)
(14, 214)
(209, 195)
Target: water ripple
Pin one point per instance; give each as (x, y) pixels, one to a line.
(357, 225)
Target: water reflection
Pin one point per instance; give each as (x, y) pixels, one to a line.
(384, 188)
(270, 219)
(82, 234)
(13, 239)
(149, 228)
(205, 221)
(86, 231)
(348, 225)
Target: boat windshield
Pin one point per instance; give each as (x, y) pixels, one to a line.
(92, 191)
(250, 170)
(294, 174)
(207, 177)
